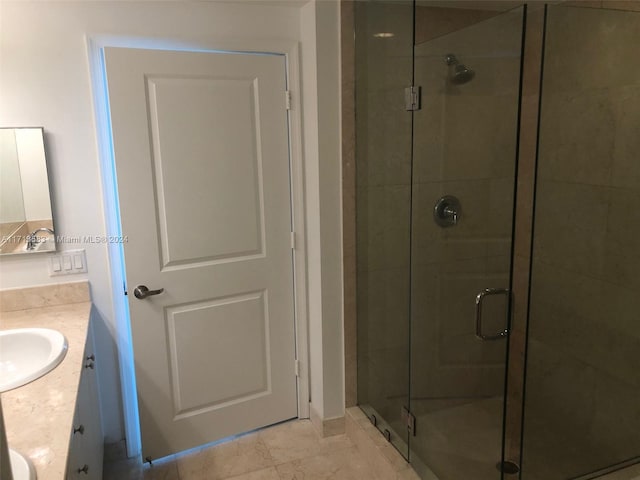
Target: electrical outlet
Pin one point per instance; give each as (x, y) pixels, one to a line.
(68, 262)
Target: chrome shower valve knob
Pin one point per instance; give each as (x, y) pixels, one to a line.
(447, 210)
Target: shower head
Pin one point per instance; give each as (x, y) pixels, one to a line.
(461, 73)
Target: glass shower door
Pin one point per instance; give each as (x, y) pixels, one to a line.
(384, 67)
(463, 182)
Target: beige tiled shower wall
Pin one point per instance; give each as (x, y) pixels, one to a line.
(582, 366)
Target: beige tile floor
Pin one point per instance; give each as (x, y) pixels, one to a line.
(288, 451)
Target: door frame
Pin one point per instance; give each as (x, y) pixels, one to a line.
(123, 340)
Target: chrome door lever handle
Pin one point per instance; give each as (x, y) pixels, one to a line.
(479, 299)
(141, 292)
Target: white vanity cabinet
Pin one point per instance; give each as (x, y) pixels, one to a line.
(86, 447)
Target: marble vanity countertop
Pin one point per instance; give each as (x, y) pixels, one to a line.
(38, 416)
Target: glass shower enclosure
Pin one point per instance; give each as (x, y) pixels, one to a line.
(450, 301)
(582, 397)
(437, 104)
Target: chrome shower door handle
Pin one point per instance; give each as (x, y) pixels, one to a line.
(141, 292)
(479, 299)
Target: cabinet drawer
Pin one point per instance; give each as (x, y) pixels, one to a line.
(86, 448)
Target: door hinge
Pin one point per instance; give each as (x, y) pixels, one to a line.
(287, 99)
(293, 240)
(296, 367)
(412, 98)
(410, 420)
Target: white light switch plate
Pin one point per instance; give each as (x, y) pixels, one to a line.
(68, 262)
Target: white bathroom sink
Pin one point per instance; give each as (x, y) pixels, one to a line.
(27, 354)
(21, 466)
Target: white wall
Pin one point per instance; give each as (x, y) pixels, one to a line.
(45, 81)
(320, 23)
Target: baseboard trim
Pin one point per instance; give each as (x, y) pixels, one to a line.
(327, 427)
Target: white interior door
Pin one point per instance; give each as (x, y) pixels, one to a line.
(202, 162)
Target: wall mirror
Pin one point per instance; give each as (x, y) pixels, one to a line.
(26, 221)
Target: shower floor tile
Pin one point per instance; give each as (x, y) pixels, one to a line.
(462, 441)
